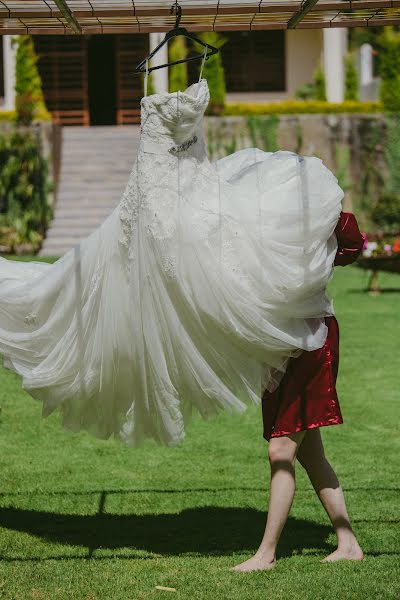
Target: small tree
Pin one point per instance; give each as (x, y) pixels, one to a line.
(350, 78)
(389, 43)
(213, 71)
(177, 74)
(29, 102)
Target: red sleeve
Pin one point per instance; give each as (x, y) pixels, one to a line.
(349, 238)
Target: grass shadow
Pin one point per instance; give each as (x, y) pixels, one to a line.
(202, 530)
(382, 290)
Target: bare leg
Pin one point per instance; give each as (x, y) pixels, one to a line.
(311, 455)
(282, 455)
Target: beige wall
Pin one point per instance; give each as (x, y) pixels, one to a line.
(303, 52)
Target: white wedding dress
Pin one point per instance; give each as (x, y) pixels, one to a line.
(194, 292)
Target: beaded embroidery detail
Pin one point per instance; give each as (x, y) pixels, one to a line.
(184, 146)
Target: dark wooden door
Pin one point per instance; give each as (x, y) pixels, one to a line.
(130, 50)
(63, 69)
(102, 80)
(1, 69)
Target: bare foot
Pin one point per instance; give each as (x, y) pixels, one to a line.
(258, 562)
(352, 552)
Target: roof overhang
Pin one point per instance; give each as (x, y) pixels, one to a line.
(62, 17)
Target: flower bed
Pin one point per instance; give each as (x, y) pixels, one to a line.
(381, 252)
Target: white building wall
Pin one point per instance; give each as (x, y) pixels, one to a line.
(303, 54)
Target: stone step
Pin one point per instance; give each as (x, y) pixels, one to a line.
(60, 236)
(84, 204)
(57, 246)
(75, 222)
(86, 194)
(90, 186)
(57, 252)
(82, 210)
(81, 214)
(95, 166)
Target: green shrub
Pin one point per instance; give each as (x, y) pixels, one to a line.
(320, 85)
(342, 161)
(29, 101)
(177, 74)
(24, 188)
(351, 79)
(389, 42)
(263, 132)
(305, 92)
(386, 212)
(316, 90)
(213, 71)
(392, 153)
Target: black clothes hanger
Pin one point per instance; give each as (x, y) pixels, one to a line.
(140, 68)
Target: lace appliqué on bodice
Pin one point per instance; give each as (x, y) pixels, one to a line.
(171, 167)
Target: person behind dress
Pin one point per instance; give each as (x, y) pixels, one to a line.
(306, 400)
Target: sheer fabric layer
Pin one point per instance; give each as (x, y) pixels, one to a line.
(193, 293)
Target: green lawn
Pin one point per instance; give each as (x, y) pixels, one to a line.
(86, 519)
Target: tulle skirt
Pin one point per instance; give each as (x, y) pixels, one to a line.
(200, 307)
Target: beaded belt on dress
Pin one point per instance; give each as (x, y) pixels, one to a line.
(161, 148)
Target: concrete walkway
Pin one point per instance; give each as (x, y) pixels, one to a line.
(95, 166)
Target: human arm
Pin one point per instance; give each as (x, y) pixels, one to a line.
(349, 238)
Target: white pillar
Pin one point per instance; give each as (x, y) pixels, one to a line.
(369, 85)
(335, 48)
(160, 76)
(9, 54)
(365, 64)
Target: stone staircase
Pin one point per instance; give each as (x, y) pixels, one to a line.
(95, 166)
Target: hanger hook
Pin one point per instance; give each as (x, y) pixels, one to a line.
(178, 13)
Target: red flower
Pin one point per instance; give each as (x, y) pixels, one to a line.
(396, 245)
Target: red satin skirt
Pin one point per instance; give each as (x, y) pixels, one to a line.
(306, 396)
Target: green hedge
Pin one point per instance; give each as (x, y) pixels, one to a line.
(11, 116)
(7, 115)
(301, 107)
(25, 211)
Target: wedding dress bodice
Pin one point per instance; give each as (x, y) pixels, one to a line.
(171, 123)
(171, 164)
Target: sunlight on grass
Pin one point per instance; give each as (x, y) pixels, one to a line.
(82, 518)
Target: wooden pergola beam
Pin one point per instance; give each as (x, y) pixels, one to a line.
(299, 16)
(68, 15)
(63, 17)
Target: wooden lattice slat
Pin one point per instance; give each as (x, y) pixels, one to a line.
(63, 69)
(143, 16)
(129, 51)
